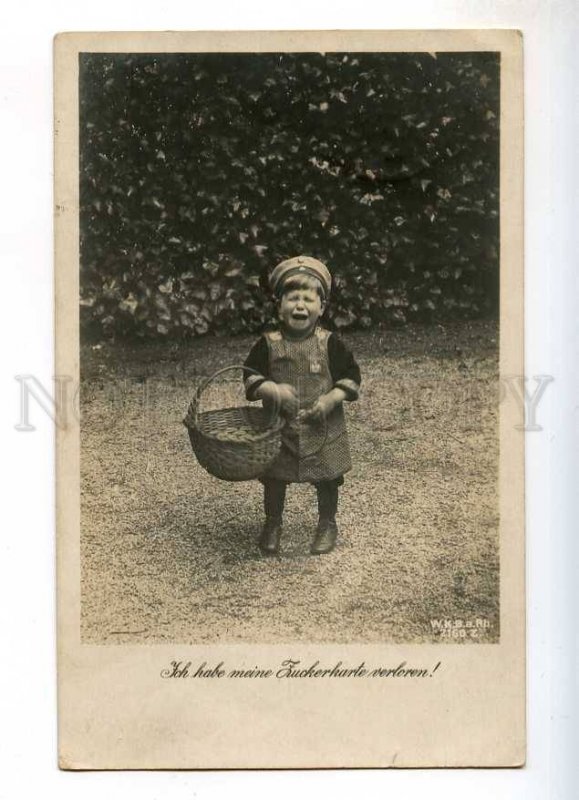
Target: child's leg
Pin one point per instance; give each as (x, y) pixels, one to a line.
(327, 499)
(273, 497)
(273, 503)
(327, 530)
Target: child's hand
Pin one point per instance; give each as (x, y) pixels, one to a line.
(282, 396)
(321, 409)
(288, 399)
(323, 406)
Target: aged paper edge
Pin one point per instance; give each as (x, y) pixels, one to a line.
(103, 689)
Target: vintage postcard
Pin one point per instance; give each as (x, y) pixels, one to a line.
(290, 451)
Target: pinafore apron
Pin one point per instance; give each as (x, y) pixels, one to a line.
(311, 452)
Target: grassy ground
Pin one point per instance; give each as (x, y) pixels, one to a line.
(169, 553)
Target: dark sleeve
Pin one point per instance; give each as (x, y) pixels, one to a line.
(258, 360)
(343, 367)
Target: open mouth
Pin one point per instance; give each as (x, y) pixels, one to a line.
(299, 316)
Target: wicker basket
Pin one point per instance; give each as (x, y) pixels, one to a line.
(234, 444)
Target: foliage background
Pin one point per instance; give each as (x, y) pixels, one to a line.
(200, 172)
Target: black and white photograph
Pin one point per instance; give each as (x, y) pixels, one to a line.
(291, 292)
(330, 220)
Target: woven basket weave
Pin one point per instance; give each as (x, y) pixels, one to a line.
(233, 444)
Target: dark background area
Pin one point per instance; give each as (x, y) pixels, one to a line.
(200, 172)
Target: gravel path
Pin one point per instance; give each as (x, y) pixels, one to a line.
(169, 553)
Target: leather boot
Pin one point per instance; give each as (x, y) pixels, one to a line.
(325, 538)
(270, 536)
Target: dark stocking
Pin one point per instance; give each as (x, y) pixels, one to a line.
(273, 497)
(327, 499)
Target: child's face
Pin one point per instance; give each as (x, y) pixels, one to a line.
(299, 311)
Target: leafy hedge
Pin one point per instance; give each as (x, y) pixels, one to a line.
(199, 172)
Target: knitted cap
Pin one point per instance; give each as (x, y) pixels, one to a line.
(300, 265)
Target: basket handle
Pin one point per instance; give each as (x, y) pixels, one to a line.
(193, 409)
(192, 412)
